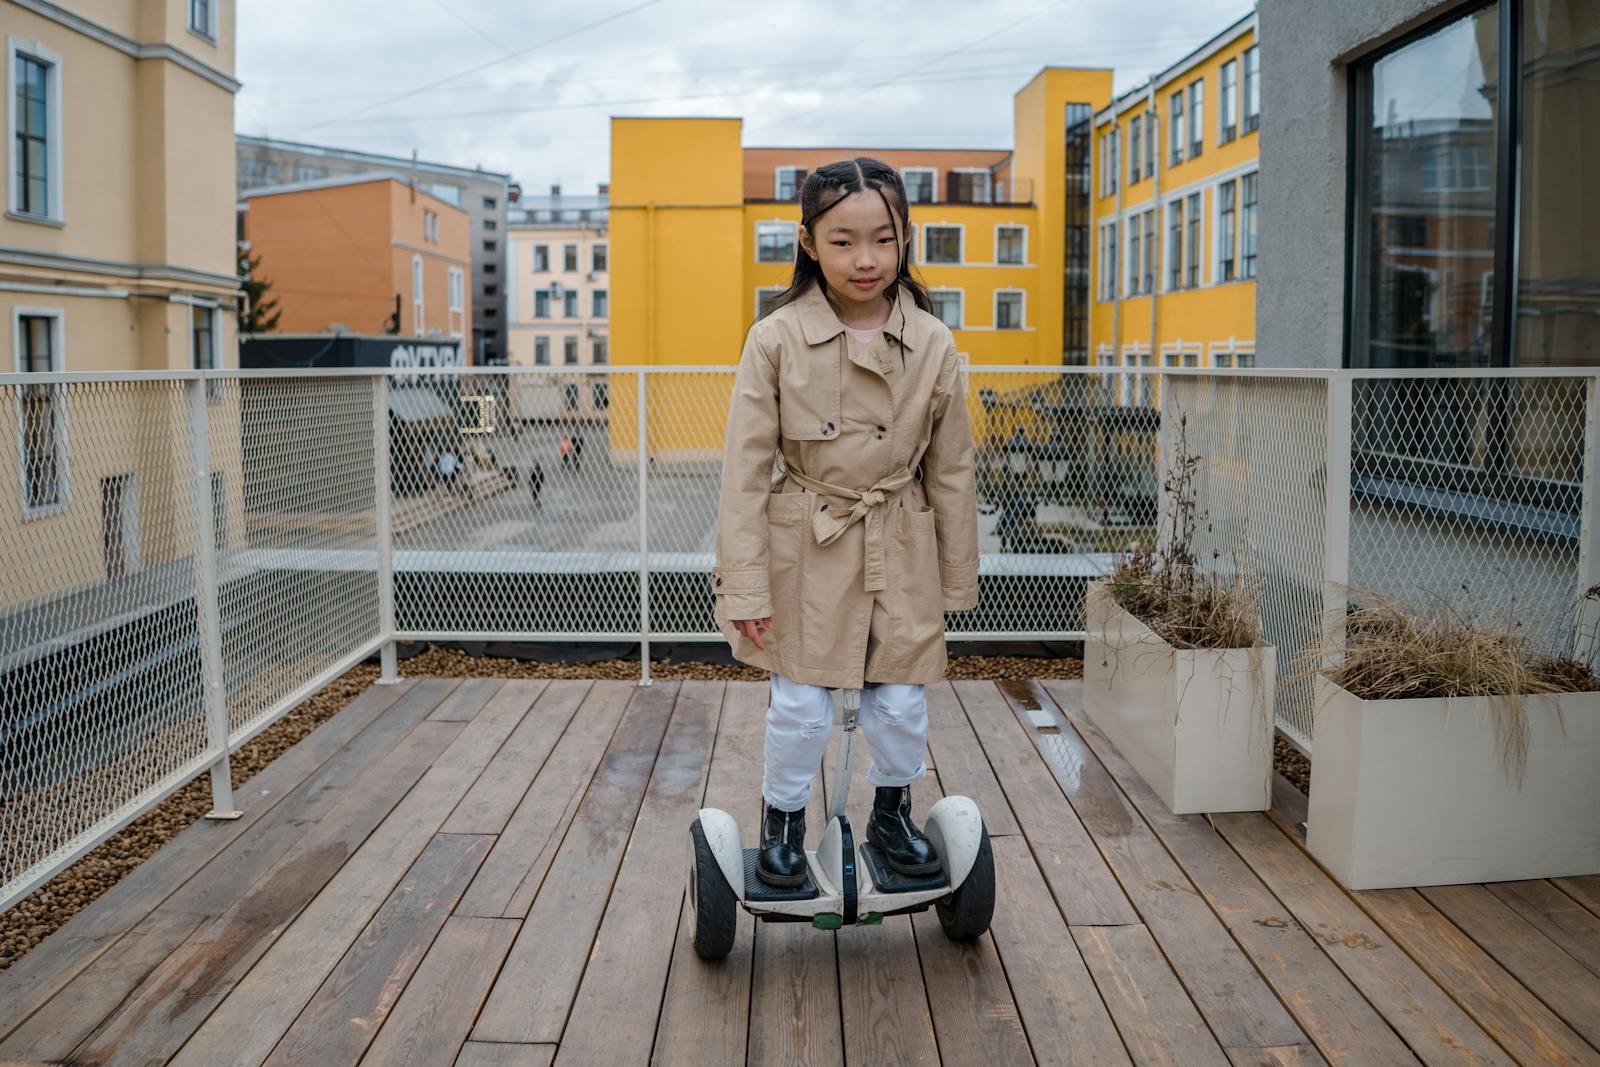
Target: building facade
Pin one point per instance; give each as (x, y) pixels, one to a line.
(483, 195)
(117, 253)
(558, 299)
(391, 260)
(1176, 216)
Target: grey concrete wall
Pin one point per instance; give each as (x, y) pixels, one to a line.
(1305, 48)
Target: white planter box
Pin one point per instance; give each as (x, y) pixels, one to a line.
(1195, 724)
(1413, 792)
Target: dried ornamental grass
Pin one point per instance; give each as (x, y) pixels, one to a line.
(1386, 649)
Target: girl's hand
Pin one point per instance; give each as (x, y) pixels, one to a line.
(753, 628)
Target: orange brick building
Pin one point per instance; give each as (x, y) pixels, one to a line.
(369, 254)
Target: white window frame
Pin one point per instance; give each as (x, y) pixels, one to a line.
(58, 364)
(1239, 353)
(549, 299)
(545, 245)
(1217, 231)
(576, 257)
(599, 294)
(209, 33)
(961, 243)
(546, 339)
(1169, 253)
(595, 249)
(458, 302)
(1178, 130)
(988, 184)
(1194, 238)
(961, 303)
(419, 316)
(765, 289)
(1223, 100)
(1197, 118)
(570, 341)
(905, 172)
(1130, 359)
(1022, 313)
(1011, 226)
(777, 182)
(1135, 263)
(771, 225)
(573, 299)
(56, 215)
(1245, 81)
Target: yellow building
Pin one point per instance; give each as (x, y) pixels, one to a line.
(703, 229)
(117, 253)
(1175, 213)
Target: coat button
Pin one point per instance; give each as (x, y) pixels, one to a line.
(827, 427)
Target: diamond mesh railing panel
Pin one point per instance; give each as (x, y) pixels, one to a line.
(102, 708)
(1261, 505)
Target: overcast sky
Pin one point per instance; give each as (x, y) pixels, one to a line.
(530, 88)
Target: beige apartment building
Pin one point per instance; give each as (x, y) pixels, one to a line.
(558, 301)
(117, 253)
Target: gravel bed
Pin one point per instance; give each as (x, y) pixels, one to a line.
(49, 907)
(1287, 761)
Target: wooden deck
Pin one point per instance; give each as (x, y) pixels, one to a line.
(489, 873)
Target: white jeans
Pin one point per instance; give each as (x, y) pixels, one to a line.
(894, 717)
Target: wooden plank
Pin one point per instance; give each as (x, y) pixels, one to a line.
(467, 700)
(1325, 1004)
(516, 867)
(1525, 1028)
(28, 984)
(614, 1017)
(1557, 916)
(1157, 1021)
(705, 1015)
(794, 977)
(1566, 986)
(493, 798)
(430, 1022)
(1057, 1000)
(487, 1054)
(531, 998)
(1432, 1025)
(487, 731)
(165, 1009)
(1085, 889)
(1584, 889)
(963, 768)
(338, 1023)
(973, 1012)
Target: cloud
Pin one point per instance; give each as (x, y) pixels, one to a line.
(891, 74)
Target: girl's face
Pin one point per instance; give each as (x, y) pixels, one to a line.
(858, 246)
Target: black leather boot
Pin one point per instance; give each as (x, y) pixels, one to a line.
(891, 829)
(782, 860)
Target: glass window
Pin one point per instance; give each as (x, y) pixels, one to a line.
(541, 351)
(941, 244)
(489, 203)
(1135, 164)
(569, 258)
(42, 456)
(200, 12)
(569, 350)
(1116, 156)
(1428, 124)
(968, 187)
(1108, 262)
(33, 90)
(490, 225)
(775, 242)
(1175, 131)
(1007, 311)
(1228, 102)
(490, 246)
(309, 172)
(788, 182)
(1252, 88)
(1247, 225)
(1226, 220)
(947, 305)
(1197, 117)
(1151, 148)
(598, 351)
(1558, 229)
(569, 394)
(541, 304)
(597, 258)
(600, 304)
(1175, 245)
(764, 298)
(1192, 269)
(1151, 250)
(569, 303)
(919, 182)
(1009, 242)
(1135, 245)
(418, 320)
(541, 258)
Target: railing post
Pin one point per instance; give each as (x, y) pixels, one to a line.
(208, 591)
(643, 418)
(383, 532)
(1586, 620)
(1336, 514)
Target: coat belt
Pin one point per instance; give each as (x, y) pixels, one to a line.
(827, 524)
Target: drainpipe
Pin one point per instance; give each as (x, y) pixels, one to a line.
(1154, 143)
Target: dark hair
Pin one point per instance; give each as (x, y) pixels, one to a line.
(825, 187)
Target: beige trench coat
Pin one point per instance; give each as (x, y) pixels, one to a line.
(867, 533)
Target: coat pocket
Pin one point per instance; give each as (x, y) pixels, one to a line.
(808, 398)
(918, 601)
(788, 529)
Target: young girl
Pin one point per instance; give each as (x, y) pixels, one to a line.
(847, 524)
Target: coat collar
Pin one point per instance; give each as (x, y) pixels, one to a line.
(819, 323)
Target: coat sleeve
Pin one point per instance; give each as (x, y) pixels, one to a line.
(948, 478)
(739, 577)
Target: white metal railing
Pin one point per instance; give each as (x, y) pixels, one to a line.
(190, 554)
